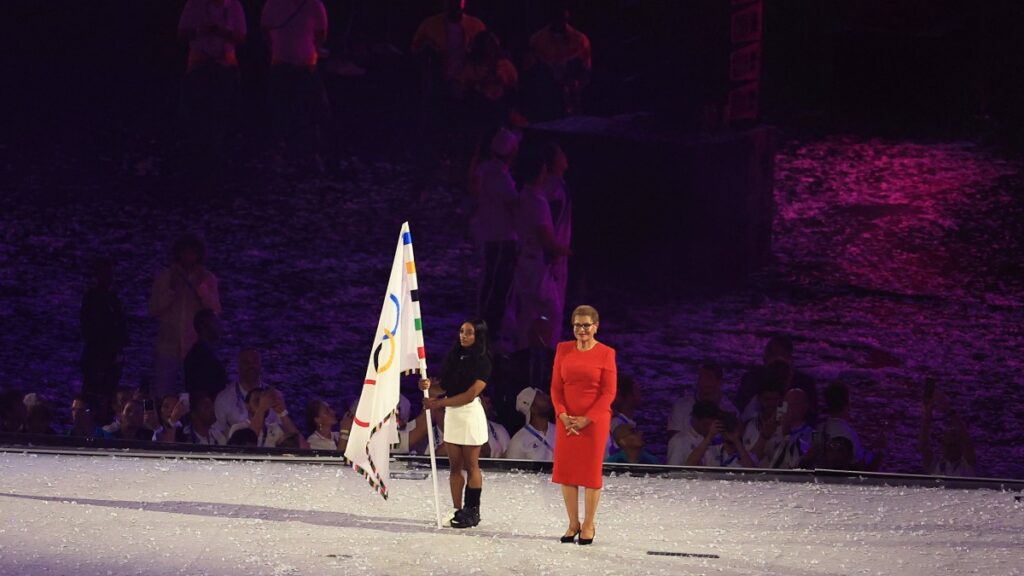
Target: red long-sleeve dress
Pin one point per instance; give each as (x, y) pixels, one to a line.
(582, 384)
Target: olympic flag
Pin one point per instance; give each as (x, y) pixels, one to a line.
(397, 349)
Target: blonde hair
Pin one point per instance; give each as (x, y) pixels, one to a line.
(585, 310)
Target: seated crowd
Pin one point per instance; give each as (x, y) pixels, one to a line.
(777, 428)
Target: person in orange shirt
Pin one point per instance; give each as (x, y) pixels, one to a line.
(444, 39)
(441, 48)
(212, 29)
(296, 31)
(488, 82)
(564, 54)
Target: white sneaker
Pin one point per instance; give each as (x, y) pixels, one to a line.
(447, 522)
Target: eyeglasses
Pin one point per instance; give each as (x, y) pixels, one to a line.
(584, 327)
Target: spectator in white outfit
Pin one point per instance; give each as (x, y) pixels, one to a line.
(536, 439)
(203, 428)
(230, 403)
(497, 435)
(494, 226)
(709, 387)
(261, 402)
(535, 293)
(792, 449)
(184, 288)
(837, 426)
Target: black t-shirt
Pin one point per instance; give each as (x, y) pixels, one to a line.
(463, 367)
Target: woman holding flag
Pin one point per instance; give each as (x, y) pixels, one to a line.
(464, 376)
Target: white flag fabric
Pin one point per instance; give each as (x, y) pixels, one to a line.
(397, 349)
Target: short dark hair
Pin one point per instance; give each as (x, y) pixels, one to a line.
(189, 241)
(204, 317)
(244, 437)
(773, 378)
(312, 411)
(780, 343)
(713, 367)
(705, 409)
(837, 398)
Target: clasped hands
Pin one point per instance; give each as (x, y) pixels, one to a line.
(573, 424)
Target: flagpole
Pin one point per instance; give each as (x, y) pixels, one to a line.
(430, 443)
(407, 242)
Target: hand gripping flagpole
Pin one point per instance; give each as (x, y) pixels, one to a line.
(407, 242)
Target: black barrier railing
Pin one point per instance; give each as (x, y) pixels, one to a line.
(77, 446)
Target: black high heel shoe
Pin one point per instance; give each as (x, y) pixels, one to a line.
(570, 539)
(587, 541)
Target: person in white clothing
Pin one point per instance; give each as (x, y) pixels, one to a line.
(837, 427)
(793, 447)
(624, 408)
(494, 225)
(260, 403)
(534, 290)
(536, 439)
(230, 403)
(184, 288)
(710, 377)
(763, 431)
(321, 419)
(203, 428)
(685, 442)
(560, 203)
(497, 435)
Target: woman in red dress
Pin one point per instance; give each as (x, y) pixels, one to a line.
(582, 389)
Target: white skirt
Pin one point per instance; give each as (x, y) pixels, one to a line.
(466, 425)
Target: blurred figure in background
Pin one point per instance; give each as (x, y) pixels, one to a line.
(560, 66)
(560, 203)
(778, 350)
(203, 428)
(837, 426)
(204, 372)
(631, 446)
(83, 423)
(536, 439)
(230, 402)
(13, 412)
(793, 447)
(488, 84)
(209, 90)
(535, 293)
(497, 435)
(296, 31)
(441, 46)
(105, 335)
(494, 226)
(957, 457)
(132, 425)
(709, 387)
(624, 407)
(184, 288)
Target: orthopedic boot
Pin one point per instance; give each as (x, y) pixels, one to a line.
(469, 516)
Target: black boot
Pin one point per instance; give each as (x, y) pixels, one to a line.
(469, 516)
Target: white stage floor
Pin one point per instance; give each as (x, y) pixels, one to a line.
(86, 516)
